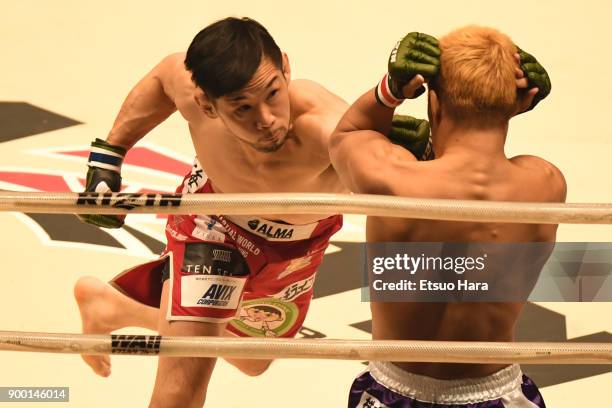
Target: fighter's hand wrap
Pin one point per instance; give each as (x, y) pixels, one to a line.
(103, 176)
(536, 76)
(412, 134)
(416, 53)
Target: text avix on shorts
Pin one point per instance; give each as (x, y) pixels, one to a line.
(254, 273)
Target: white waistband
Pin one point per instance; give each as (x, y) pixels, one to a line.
(270, 230)
(273, 231)
(432, 390)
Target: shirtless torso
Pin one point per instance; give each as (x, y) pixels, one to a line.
(253, 131)
(470, 165)
(300, 165)
(522, 178)
(269, 136)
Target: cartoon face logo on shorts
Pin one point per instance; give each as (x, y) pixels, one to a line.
(266, 317)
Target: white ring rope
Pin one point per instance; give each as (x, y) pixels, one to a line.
(265, 348)
(306, 203)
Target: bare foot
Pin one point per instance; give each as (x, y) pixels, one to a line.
(96, 307)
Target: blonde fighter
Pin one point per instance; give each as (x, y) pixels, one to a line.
(253, 131)
(472, 95)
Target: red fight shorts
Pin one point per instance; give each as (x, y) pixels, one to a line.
(256, 274)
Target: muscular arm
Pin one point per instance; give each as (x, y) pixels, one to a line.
(148, 104)
(553, 185)
(359, 150)
(319, 113)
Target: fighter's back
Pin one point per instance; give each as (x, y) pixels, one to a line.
(523, 178)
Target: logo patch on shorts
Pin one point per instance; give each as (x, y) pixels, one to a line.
(222, 255)
(207, 229)
(253, 224)
(271, 230)
(266, 317)
(217, 294)
(296, 289)
(212, 259)
(214, 291)
(208, 235)
(295, 265)
(197, 179)
(368, 401)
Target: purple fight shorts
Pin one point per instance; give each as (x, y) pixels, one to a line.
(385, 385)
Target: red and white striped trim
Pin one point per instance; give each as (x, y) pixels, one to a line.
(384, 95)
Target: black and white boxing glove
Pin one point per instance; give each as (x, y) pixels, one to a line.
(104, 176)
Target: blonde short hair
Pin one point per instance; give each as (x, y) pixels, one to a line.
(477, 80)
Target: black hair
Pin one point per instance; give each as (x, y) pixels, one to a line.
(267, 309)
(224, 56)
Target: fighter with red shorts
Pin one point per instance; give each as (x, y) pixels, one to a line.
(256, 274)
(254, 130)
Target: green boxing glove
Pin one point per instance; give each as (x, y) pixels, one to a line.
(415, 54)
(412, 134)
(104, 176)
(536, 76)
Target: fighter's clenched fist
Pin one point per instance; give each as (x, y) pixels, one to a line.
(536, 77)
(104, 176)
(415, 54)
(412, 134)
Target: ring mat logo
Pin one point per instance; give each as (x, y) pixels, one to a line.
(19, 120)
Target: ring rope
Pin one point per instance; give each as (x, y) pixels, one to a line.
(265, 348)
(306, 203)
